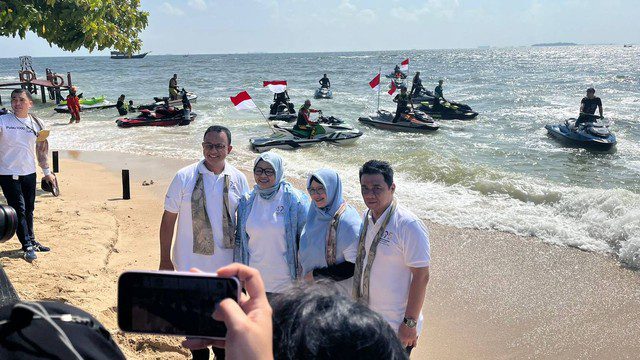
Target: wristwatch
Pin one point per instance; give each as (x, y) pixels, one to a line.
(410, 323)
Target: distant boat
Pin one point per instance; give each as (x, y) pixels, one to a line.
(121, 55)
(628, 45)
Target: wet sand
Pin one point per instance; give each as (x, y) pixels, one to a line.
(492, 295)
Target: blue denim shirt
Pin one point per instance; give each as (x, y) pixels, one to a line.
(296, 204)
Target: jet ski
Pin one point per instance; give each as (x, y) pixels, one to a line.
(159, 117)
(591, 135)
(159, 101)
(424, 95)
(291, 139)
(416, 121)
(446, 111)
(323, 93)
(283, 112)
(88, 101)
(105, 104)
(3, 111)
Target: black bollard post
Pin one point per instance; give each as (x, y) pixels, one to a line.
(126, 191)
(56, 169)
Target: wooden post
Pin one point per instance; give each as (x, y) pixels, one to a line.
(126, 190)
(56, 169)
(43, 94)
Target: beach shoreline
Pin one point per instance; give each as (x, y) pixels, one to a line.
(491, 294)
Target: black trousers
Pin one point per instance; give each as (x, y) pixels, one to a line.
(21, 195)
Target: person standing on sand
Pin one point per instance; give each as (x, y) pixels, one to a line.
(391, 256)
(20, 134)
(73, 104)
(206, 218)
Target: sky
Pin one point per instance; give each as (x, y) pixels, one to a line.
(240, 26)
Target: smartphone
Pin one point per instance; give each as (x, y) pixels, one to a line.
(173, 303)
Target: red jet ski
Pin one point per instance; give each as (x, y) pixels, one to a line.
(157, 117)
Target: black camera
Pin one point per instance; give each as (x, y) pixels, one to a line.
(8, 222)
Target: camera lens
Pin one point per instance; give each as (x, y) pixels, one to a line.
(8, 222)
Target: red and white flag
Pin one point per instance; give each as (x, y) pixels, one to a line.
(276, 86)
(404, 66)
(375, 83)
(243, 101)
(393, 88)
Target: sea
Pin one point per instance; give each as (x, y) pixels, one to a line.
(500, 171)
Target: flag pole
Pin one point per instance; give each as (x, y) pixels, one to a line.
(379, 86)
(265, 118)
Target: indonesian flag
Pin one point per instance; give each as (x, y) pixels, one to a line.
(375, 83)
(404, 66)
(276, 86)
(393, 88)
(243, 101)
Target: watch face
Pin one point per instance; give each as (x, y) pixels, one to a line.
(411, 323)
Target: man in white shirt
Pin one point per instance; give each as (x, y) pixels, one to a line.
(391, 257)
(22, 141)
(203, 198)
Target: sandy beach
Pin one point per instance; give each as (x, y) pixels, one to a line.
(492, 295)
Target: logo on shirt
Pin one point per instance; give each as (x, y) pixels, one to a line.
(280, 209)
(386, 237)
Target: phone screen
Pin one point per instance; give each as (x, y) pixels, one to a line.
(173, 303)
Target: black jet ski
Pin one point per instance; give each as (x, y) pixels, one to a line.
(416, 121)
(591, 135)
(3, 111)
(160, 102)
(446, 111)
(323, 93)
(291, 139)
(283, 112)
(159, 117)
(424, 95)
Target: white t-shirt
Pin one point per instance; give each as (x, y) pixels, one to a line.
(178, 201)
(267, 244)
(404, 244)
(18, 145)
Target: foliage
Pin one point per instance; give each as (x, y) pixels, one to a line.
(72, 24)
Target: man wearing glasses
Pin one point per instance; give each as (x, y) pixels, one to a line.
(203, 198)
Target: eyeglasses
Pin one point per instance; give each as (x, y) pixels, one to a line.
(318, 191)
(268, 172)
(210, 146)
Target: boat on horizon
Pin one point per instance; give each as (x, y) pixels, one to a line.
(121, 55)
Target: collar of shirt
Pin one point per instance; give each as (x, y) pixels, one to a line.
(203, 169)
(373, 227)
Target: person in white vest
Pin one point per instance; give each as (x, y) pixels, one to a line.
(203, 198)
(23, 139)
(391, 256)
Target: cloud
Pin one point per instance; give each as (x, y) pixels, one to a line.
(198, 4)
(368, 16)
(171, 10)
(346, 6)
(445, 8)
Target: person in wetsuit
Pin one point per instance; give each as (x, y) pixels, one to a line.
(416, 86)
(280, 98)
(437, 92)
(120, 106)
(588, 107)
(403, 102)
(324, 82)
(304, 122)
(186, 106)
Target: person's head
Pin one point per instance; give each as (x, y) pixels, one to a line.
(130, 102)
(325, 189)
(591, 93)
(216, 145)
(307, 103)
(376, 185)
(417, 73)
(175, 76)
(403, 90)
(325, 75)
(268, 170)
(318, 322)
(440, 82)
(21, 102)
(121, 98)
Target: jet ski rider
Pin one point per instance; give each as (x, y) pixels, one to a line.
(416, 86)
(437, 92)
(281, 98)
(304, 122)
(324, 82)
(588, 107)
(403, 100)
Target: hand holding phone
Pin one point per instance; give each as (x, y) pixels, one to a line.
(249, 323)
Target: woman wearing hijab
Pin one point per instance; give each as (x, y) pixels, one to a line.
(270, 222)
(332, 226)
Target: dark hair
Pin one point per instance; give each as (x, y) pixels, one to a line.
(315, 178)
(373, 167)
(591, 90)
(22, 91)
(318, 322)
(219, 129)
